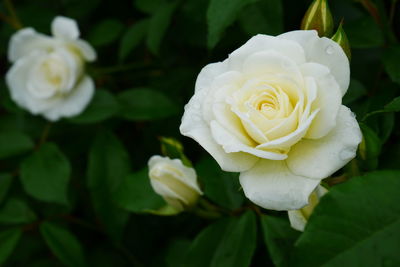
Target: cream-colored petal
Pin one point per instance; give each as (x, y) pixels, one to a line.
(289, 140)
(17, 79)
(231, 144)
(188, 177)
(222, 86)
(271, 62)
(64, 28)
(25, 41)
(167, 193)
(208, 74)
(74, 103)
(319, 158)
(328, 99)
(297, 220)
(325, 52)
(251, 129)
(195, 127)
(262, 42)
(271, 185)
(85, 50)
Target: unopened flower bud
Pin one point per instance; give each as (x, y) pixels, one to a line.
(176, 183)
(340, 37)
(318, 17)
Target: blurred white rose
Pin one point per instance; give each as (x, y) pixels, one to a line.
(272, 111)
(298, 218)
(176, 183)
(48, 75)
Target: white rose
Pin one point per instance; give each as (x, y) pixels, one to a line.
(298, 218)
(176, 183)
(48, 76)
(272, 111)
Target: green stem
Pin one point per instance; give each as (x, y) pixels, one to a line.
(13, 18)
(45, 134)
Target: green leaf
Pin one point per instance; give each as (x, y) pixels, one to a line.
(109, 164)
(135, 193)
(147, 6)
(103, 106)
(356, 91)
(14, 143)
(45, 174)
(132, 38)
(16, 211)
(145, 104)
(356, 224)
(364, 33)
(263, 17)
(237, 249)
(105, 32)
(176, 251)
(229, 242)
(8, 241)
(202, 249)
(393, 106)
(279, 238)
(221, 187)
(391, 61)
(5, 183)
(220, 15)
(63, 244)
(159, 24)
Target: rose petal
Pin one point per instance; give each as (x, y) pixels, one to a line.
(262, 42)
(287, 141)
(208, 74)
(74, 103)
(64, 28)
(195, 127)
(325, 52)
(231, 144)
(297, 220)
(17, 82)
(25, 41)
(271, 62)
(319, 158)
(85, 49)
(271, 185)
(188, 177)
(328, 99)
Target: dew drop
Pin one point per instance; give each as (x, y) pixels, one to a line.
(329, 50)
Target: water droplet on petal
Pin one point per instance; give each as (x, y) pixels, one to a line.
(346, 154)
(329, 49)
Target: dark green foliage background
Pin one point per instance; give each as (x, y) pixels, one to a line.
(76, 192)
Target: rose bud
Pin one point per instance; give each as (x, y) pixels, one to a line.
(175, 182)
